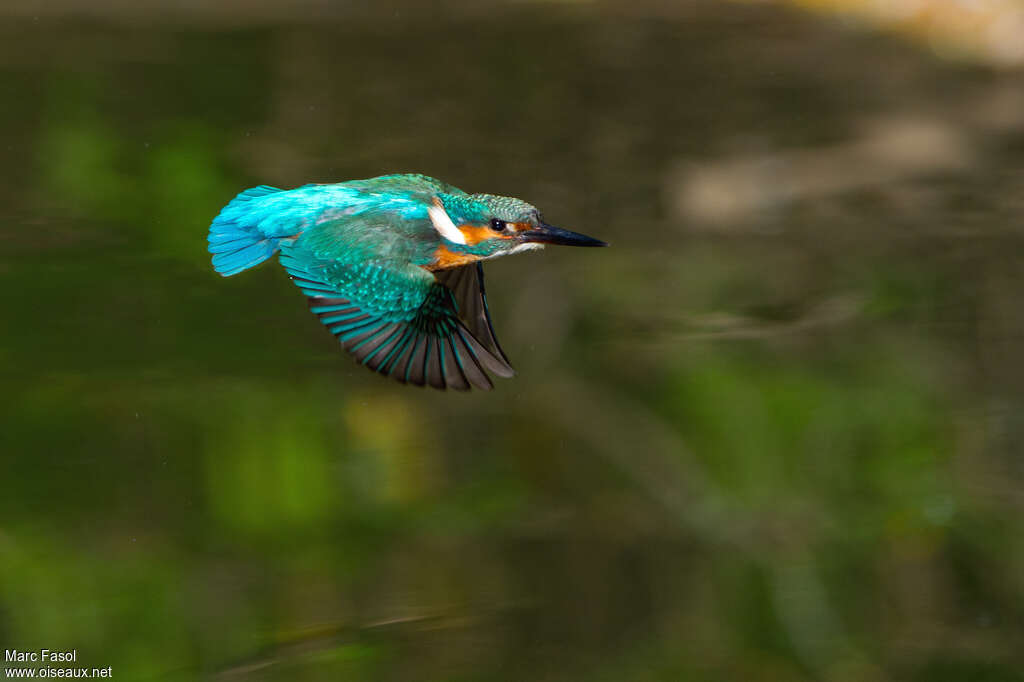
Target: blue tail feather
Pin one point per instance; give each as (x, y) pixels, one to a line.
(235, 239)
(225, 246)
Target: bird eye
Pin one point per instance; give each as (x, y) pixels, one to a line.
(498, 225)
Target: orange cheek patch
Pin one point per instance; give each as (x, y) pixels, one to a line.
(475, 234)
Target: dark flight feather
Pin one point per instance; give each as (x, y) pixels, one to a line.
(467, 285)
(430, 345)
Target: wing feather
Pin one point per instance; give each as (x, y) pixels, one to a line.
(406, 324)
(453, 374)
(414, 369)
(467, 286)
(433, 369)
(470, 365)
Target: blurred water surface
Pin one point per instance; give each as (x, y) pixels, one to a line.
(774, 432)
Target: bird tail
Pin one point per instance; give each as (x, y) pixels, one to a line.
(236, 241)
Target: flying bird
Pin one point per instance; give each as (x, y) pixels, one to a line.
(392, 267)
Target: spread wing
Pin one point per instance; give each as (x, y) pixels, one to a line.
(467, 284)
(401, 321)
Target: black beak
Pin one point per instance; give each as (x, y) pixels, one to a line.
(549, 234)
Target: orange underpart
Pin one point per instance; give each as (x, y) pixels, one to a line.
(445, 258)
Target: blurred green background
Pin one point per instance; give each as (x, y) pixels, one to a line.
(773, 433)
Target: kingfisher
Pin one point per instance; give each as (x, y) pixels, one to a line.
(391, 266)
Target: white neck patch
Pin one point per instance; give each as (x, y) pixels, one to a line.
(528, 246)
(442, 222)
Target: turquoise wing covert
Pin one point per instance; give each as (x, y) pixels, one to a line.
(399, 320)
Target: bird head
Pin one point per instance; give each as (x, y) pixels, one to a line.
(483, 226)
